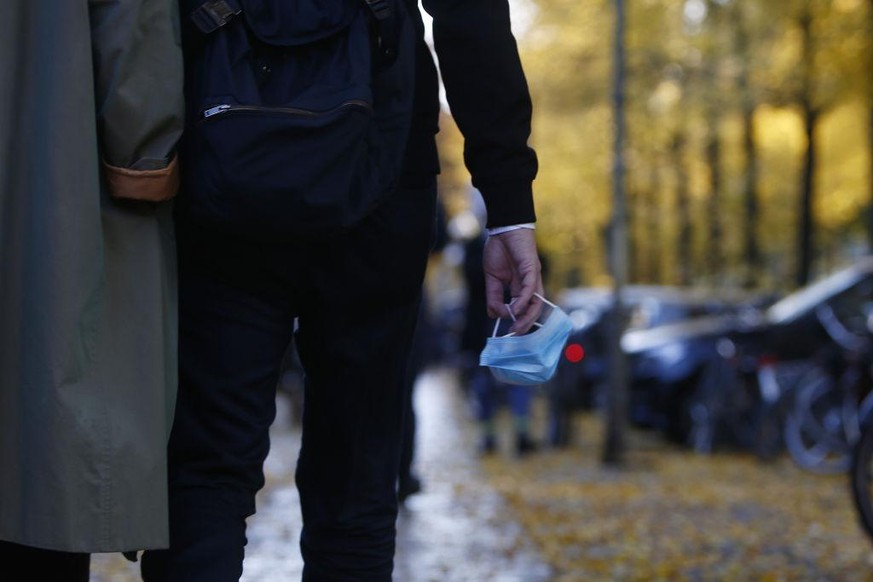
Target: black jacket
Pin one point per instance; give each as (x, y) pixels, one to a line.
(489, 100)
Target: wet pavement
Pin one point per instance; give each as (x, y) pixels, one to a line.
(456, 530)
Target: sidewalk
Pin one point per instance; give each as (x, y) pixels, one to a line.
(456, 530)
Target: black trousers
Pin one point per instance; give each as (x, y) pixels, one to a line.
(25, 563)
(356, 297)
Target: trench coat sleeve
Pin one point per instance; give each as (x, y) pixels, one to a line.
(140, 103)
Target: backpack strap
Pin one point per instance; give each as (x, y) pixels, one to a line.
(210, 15)
(213, 14)
(386, 28)
(381, 9)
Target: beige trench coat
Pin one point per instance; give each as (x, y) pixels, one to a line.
(90, 108)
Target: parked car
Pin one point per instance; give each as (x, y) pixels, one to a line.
(668, 362)
(583, 370)
(718, 379)
(795, 329)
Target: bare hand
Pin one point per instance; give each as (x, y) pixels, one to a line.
(511, 259)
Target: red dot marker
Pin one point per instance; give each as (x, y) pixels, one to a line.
(574, 353)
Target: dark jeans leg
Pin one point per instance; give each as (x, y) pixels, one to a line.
(407, 452)
(520, 398)
(417, 358)
(354, 338)
(233, 332)
(26, 564)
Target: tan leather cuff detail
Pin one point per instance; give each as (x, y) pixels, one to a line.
(150, 185)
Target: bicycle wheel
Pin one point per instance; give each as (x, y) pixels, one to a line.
(860, 477)
(821, 427)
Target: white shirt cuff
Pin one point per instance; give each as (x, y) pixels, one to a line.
(502, 229)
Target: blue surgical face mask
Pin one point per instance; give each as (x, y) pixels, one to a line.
(531, 358)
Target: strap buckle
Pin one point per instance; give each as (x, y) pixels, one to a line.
(213, 14)
(381, 9)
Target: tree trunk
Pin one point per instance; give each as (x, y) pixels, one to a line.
(870, 178)
(805, 234)
(870, 134)
(684, 242)
(713, 248)
(654, 236)
(634, 247)
(616, 426)
(645, 253)
(751, 251)
(715, 258)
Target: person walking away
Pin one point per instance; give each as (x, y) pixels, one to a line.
(91, 108)
(356, 296)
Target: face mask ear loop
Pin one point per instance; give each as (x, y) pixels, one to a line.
(509, 308)
(496, 325)
(544, 300)
(536, 323)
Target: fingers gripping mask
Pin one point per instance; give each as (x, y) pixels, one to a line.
(531, 358)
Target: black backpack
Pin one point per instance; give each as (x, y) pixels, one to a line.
(297, 113)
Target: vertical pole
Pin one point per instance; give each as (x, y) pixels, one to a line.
(616, 424)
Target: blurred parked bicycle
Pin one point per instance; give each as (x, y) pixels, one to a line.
(860, 473)
(742, 399)
(810, 406)
(824, 420)
(861, 466)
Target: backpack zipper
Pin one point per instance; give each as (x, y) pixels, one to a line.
(219, 109)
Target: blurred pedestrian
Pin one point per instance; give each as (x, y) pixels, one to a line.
(356, 296)
(476, 324)
(91, 96)
(490, 394)
(425, 351)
